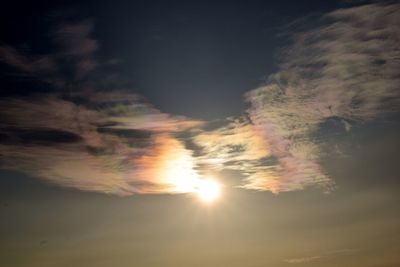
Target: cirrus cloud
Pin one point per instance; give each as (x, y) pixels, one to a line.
(348, 68)
(83, 147)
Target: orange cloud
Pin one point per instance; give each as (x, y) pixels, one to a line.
(167, 166)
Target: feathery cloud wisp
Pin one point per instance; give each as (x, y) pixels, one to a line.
(348, 68)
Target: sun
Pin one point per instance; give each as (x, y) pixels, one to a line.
(208, 190)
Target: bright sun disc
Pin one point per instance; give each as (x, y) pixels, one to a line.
(208, 190)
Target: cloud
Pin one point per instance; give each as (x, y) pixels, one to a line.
(242, 145)
(303, 260)
(70, 63)
(102, 144)
(43, 67)
(324, 256)
(348, 69)
(83, 136)
(236, 142)
(75, 44)
(167, 165)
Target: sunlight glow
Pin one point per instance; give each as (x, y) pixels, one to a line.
(208, 190)
(173, 166)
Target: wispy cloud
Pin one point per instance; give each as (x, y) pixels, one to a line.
(75, 43)
(346, 69)
(303, 260)
(83, 136)
(237, 141)
(323, 256)
(85, 147)
(71, 62)
(242, 145)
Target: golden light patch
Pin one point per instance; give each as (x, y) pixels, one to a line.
(208, 190)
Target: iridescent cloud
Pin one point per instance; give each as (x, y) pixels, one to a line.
(236, 142)
(347, 69)
(86, 134)
(82, 146)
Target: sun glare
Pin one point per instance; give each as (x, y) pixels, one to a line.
(208, 190)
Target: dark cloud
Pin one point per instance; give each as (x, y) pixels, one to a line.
(36, 136)
(44, 68)
(76, 45)
(68, 66)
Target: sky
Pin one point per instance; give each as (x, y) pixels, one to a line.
(200, 133)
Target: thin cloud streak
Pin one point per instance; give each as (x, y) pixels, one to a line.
(325, 256)
(303, 260)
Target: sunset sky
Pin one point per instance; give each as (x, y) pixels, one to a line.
(200, 133)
